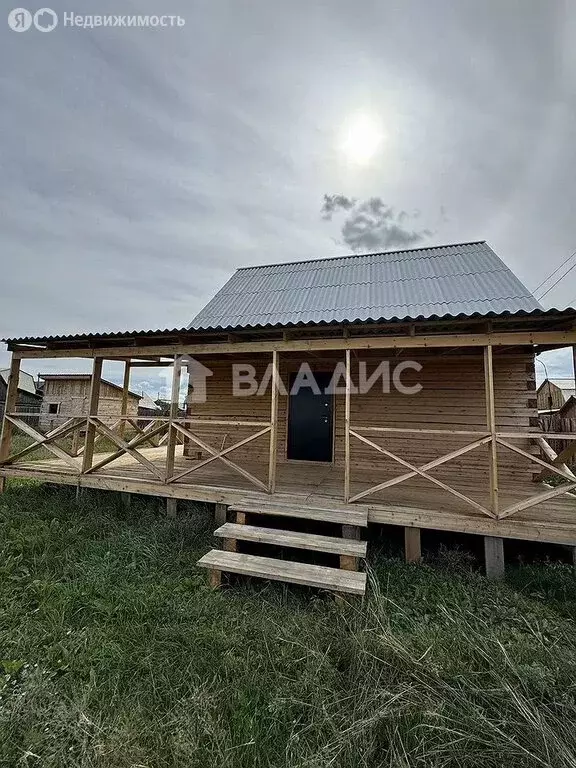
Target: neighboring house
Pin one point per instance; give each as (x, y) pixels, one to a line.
(29, 399)
(557, 411)
(68, 394)
(147, 407)
(553, 394)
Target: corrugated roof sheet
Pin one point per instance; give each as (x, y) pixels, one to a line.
(567, 387)
(83, 377)
(447, 280)
(26, 381)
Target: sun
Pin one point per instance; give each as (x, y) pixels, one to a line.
(361, 139)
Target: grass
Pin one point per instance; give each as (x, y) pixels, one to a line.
(115, 654)
(104, 445)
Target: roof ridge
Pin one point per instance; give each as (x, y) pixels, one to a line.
(362, 255)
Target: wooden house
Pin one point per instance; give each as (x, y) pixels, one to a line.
(28, 397)
(553, 394)
(557, 413)
(68, 394)
(394, 388)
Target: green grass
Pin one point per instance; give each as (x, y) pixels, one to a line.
(115, 654)
(104, 445)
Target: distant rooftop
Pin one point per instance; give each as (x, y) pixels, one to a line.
(26, 381)
(83, 377)
(568, 387)
(419, 283)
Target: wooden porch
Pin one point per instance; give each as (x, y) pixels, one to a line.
(416, 502)
(462, 457)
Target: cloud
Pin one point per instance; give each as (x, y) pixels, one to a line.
(372, 224)
(334, 203)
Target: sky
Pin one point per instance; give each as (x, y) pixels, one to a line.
(140, 167)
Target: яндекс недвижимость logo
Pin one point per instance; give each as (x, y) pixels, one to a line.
(21, 19)
(45, 20)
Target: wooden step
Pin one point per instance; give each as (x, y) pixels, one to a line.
(332, 579)
(342, 516)
(293, 539)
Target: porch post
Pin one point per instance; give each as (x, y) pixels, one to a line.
(125, 388)
(172, 434)
(347, 430)
(9, 407)
(92, 411)
(494, 557)
(273, 424)
(491, 425)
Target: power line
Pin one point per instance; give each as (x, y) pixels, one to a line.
(557, 281)
(554, 273)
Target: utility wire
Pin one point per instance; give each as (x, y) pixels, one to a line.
(557, 281)
(554, 273)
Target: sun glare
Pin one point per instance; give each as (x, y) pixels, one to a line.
(362, 138)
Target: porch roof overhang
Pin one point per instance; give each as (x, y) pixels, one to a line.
(540, 329)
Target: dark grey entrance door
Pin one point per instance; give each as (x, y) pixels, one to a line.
(310, 421)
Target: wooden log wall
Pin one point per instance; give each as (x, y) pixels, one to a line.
(72, 395)
(452, 397)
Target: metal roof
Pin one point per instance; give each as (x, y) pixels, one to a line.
(26, 381)
(566, 386)
(147, 402)
(419, 283)
(84, 377)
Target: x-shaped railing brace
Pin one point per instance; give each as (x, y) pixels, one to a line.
(127, 447)
(219, 455)
(423, 471)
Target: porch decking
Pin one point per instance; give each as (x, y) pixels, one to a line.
(414, 503)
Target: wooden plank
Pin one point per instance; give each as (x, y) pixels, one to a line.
(420, 472)
(39, 437)
(220, 511)
(219, 455)
(215, 578)
(512, 338)
(294, 539)
(331, 579)
(347, 428)
(412, 545)
(491, 424)
(125, 393)
(70, 425)
(348, 562)
(138, 440)
(124, 448)
(88, 453)
(494, 557)
(557, 460)
(224, 423)
(410, 431)
(535, 459)
(413, 504)
(343, 517)
(425, 467)
(172, 508)
(273, 425)
(532, 502)
(9, 407)
(174, 401)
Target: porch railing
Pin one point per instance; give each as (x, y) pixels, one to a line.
(156, 433)
(492, 437)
